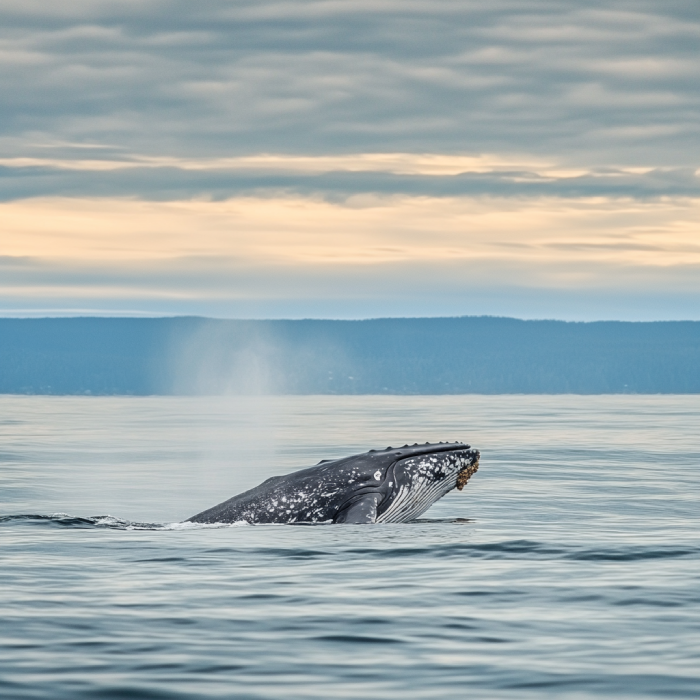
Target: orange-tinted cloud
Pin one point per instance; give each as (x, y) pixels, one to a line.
(545, 242)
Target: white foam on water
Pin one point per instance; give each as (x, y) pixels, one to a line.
(203, 526)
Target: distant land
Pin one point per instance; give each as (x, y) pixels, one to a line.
(480, 355)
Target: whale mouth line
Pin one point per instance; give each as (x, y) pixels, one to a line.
(466, 474)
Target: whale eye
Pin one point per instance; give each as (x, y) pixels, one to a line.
(377, 475)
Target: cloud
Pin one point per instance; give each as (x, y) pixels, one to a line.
(333, 177)
(336, 158)
(303, 77)
(367, 253)
(364, 229)
(396, 163)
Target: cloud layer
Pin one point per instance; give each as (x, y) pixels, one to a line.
(365, 256)
(323, 157)
(599, 84)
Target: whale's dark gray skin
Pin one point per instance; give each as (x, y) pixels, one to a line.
(392, 486)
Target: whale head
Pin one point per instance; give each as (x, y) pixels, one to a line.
(400, 484)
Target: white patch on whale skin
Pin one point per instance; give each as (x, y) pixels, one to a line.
(377, 475)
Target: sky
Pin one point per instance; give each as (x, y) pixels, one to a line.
(350, 159)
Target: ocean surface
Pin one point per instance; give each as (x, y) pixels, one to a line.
(569, 567)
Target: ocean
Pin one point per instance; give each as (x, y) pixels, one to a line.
(569, 567)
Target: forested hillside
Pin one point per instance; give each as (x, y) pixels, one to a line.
(396, 356)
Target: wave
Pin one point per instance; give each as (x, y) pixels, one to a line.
(103, 521)
(113, 523)
(528, 549)
(505, 549)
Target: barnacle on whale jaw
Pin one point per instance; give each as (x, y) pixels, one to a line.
(466, 474)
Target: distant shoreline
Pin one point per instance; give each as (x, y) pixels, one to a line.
(124, 356)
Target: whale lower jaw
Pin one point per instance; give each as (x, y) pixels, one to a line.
(410, 504)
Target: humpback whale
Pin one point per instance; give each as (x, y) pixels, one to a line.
(394, 485)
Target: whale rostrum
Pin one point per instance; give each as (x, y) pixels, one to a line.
(394, 485)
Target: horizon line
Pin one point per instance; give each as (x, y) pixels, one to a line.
(131, 315)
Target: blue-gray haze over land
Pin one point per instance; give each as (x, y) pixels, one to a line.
(384, 356)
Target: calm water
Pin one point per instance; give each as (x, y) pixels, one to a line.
(575, 575)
